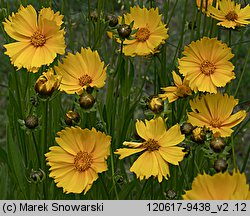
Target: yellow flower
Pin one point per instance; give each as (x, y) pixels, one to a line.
(80, 71)
(47, 83)
(214, 111)
(221, 186)
(181, 89)
(205, 4)
(38, 40)
(78, 159)
(230, 14)
(151, 31)
(206, 65)
(159, 148)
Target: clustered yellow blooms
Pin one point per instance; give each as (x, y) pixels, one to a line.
(82, 153)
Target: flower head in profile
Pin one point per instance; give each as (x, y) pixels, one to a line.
(230, 14)
(38, 39)
(214, 111)
(221, 186)
(80, 71)
(47, 83)
(151, 32)
(206, 65)
(181, 89)
(158, 149)
(78, 159)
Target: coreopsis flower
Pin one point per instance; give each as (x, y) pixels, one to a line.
(38, 39)
(159, 148)
(181, 89)
(214, 111)
(47, 83)
(80, 71)
(230, 14)
(221, 186)
(206, 65)
(78, 159)
(151, 32)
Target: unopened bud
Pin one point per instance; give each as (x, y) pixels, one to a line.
(124, 31)
(72, 118)
(187, 128)
(37, 176)
(86, 101)
(170, 194)
(220, 165)
(217, 144)
(31, 121)
(112, 19)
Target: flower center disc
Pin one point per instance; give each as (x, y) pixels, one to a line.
(151, 145)
(82, 161)
(84, 80)
(215, 123)
(231, 16)
(37, 39)
(207, 67)
(142, 34)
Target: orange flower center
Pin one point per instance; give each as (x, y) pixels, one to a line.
(231, 16)
(85, 80)
(38, 39)
(142, 34)
(82, 161)
(207, 67)
(216, 123)
(151, 145)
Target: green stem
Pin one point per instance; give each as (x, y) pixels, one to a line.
(233, 151)
(246, 159)
(242, 73)
(37, 149)
(113, 171)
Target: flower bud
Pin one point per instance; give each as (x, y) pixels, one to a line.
(31, 121)
(155, 104)
(220, 165)
(72, 118)
(217, 144)
(94, 16)
(124, 31)
(47, 83)
(170, 194)
(198, 135)
(187, 128)
(37, 176)
(86, 101)
(112, 19)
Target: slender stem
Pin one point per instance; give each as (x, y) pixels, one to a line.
(113, 171)
(37, 149)
(246, 159)
(233, 151)
(242, 73)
